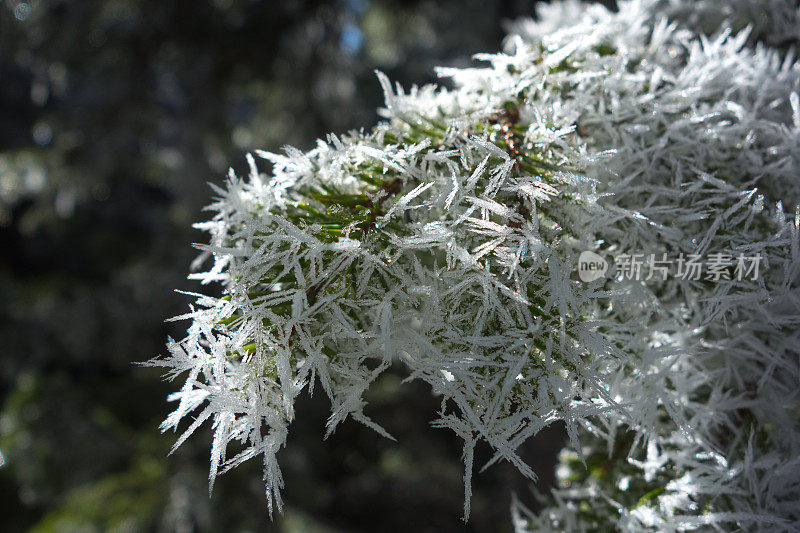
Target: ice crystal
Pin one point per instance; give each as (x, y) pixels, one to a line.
(447, 238)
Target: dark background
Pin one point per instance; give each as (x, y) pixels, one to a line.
(114, 116)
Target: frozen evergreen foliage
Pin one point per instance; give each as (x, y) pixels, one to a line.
(447, 238)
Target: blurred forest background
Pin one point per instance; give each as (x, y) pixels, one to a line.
(114, 116)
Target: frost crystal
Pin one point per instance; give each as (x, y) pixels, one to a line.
(447, 238)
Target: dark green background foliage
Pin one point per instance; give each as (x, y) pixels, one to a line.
(114, 115)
